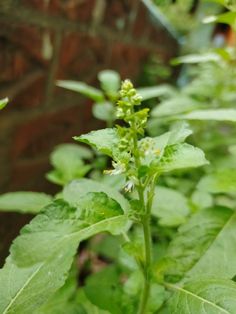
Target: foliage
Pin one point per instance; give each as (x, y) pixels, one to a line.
(41, 257)
(3, 103)
(166, 233)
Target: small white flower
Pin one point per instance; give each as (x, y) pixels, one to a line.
(118, 168)
(129, 186)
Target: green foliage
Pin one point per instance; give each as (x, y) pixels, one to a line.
(105, 141)
(77, 189)
(39, 272)
(68, 163)
(208, 231)
(84, 89)
(170, 245)
(208, 295)
(64, 300)
(25, 202)
(169, 206)
(3, 103)
(217, 115)
(104, 290)
(110, 82)
(223, 181)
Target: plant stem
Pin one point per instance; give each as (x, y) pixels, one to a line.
(146, 204)
(148, 261)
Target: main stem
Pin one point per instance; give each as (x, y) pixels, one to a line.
(146, 210)
(147, 266)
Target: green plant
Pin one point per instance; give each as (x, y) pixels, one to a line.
(146, 250)
(3, 103)
(105, 98)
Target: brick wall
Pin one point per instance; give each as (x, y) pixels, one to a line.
(45, 40)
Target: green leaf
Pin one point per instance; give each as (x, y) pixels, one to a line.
(133, 288)
(117, 182)
(64, 300)
(216, 259)
(85, 306)
(204, 296)
(104, 140)
(197, 58)
(169, 206)
(82, 88)
(174, 106)
(201, 199)
(179, 132)
(223, 2)
(223, 181)
(104, 289)
(110, 81)
(42, 256)
(155, 91)
(24, 202)
(96, 206)
(226, 18)
(3, 103)
(104, 111)
(216, 115)
(157, 298)
(154, 147)
(73, 192)
(68, 163)
(181, 156)
(205, 245)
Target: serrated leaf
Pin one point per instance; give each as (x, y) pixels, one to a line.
(205, 244)
(3, 103)
(181, 156)
(82, 88)
(223, 181)
(205, 296)
(96, 206)
(110, 81)
(104, 111)
(73, 192)
(155, 91)
(216, 115)
(105, 140)
(169, 206)
(156, 148)
(24, 202)
(42, 256)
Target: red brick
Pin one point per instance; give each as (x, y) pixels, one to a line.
(13, 62)
(37, 137)
(30, 97)
(73, 9)
(117, 13)
(29, 38)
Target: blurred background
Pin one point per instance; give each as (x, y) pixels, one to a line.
(42, 41)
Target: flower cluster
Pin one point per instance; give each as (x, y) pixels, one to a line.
(128, 147)
(129, 99)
